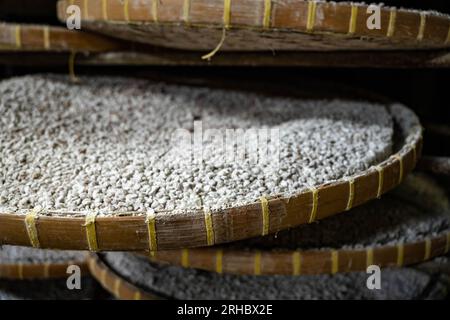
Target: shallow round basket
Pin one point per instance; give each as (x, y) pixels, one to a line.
(254, 25)
(55, 267)
(49, 289)
(28, 37)
(115, 284)
(129, 277)
(309, 262)
(133, 231)
(271, 256)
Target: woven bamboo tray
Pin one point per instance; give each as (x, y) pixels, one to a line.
(118, 282)
(116, 285)
(38, 271)
(133, 231)
(253, 25)
(252, 261)
(47, 270)
(310, 262)
(27, 37)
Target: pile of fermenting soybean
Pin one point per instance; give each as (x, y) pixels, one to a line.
(117, 144)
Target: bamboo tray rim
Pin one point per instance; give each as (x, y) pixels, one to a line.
(322, 261)
(101, 15)
(212, 259)
(32, 271)
(115, 284)
(139, 231)
(31, 37)
(124, 14)
(123, 289)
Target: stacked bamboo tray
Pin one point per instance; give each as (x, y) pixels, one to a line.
(262, 25)
(229, 33)
(233, 243)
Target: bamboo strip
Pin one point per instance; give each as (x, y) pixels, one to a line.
(113, 283)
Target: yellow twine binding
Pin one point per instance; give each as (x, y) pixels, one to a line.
(216, 49)
(137, 295)
(226, 13)
(334, 262)
(186, 11)
(315, 200)
(30, 224)
(423, 21)
(151, 229)
(392, 21)
(85, 7)
(312, 7)
(103, 276)
(296, 263)
(18, 36)
(353, 18)
(209, 227)
(351, 193)
(46, 31)
(267, 13)
(265, 216)
(117, 284)
(126, 10)
(369, 257)
(400, 163)
(155, 10)
(91, 232)
(104, 10)
(185, 258)
(226, 25)
(380, 180)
